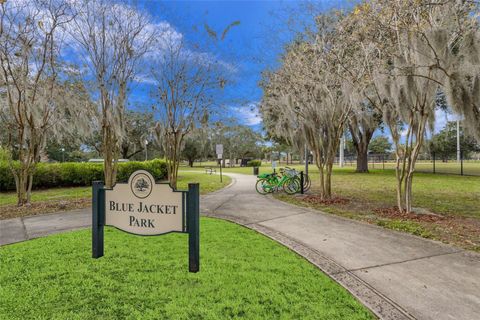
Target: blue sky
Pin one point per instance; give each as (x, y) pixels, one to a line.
(250, 47)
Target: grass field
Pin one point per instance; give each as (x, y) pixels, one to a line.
(444, 194)
(440, 193)
(242, 275)
(452, 199)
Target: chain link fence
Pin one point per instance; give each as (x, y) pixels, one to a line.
(426, 163)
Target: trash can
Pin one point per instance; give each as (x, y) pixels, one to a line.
(255, 171)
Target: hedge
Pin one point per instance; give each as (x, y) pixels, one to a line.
(74, 174)
(254, 163)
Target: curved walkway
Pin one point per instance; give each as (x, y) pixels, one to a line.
(398, 276)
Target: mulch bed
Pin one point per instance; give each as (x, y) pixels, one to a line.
(37, 208)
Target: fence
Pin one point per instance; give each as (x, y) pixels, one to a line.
(426, 163)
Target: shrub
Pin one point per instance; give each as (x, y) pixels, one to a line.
(73, 174)
(157, 167)
(254, 163)
(6, 178)
(4, 154)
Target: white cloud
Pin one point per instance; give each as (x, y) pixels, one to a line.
(165, 36)
(442, 117)
(248, 114)
(145, 78)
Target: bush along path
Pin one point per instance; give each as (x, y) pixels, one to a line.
(76, 174)
(396, 275)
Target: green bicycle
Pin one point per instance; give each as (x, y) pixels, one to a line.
(295, 174)
(271, 182)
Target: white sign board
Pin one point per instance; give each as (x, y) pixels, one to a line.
(143, 207)
(219, 156)
(219, 149)
(274, 164)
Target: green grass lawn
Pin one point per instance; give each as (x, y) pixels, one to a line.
(454, 197)
(73, 193)
(445, 194)
(440, 193)
(242, 275)
(208, 183)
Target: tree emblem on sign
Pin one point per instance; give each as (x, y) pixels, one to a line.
(141, 185)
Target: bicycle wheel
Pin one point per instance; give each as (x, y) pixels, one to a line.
(291, 186)
(263, 186)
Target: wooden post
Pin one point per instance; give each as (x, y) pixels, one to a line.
(221, 172)
(193, 226)
(98, 218)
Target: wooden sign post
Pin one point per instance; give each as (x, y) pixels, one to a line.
(146, 208)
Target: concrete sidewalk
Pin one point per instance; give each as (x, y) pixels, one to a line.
(21, 229)
(398, 276)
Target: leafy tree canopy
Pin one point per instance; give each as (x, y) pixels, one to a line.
(444, 143)
(380, 145)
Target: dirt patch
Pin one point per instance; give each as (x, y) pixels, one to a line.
(312, 199)
(37, 208)
(394, 213)
(461, 231)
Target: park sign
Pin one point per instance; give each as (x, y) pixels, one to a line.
(143, 207)
(219, 150)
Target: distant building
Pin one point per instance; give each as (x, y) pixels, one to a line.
(101, 160)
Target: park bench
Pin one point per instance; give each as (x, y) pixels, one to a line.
(210, 170)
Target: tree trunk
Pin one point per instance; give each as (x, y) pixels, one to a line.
(328, 181)
(110, 163)
(408, 192)
(399, 186)
(108, 170)
(22, 188)
(29, 187)
(361, 139)
(321, 166)
(23, 174)
(124, 151)
(173, 142)
(412, 159)
(362, 158)
(322, 182)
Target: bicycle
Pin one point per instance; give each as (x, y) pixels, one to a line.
(271, 182)
(306, 180)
